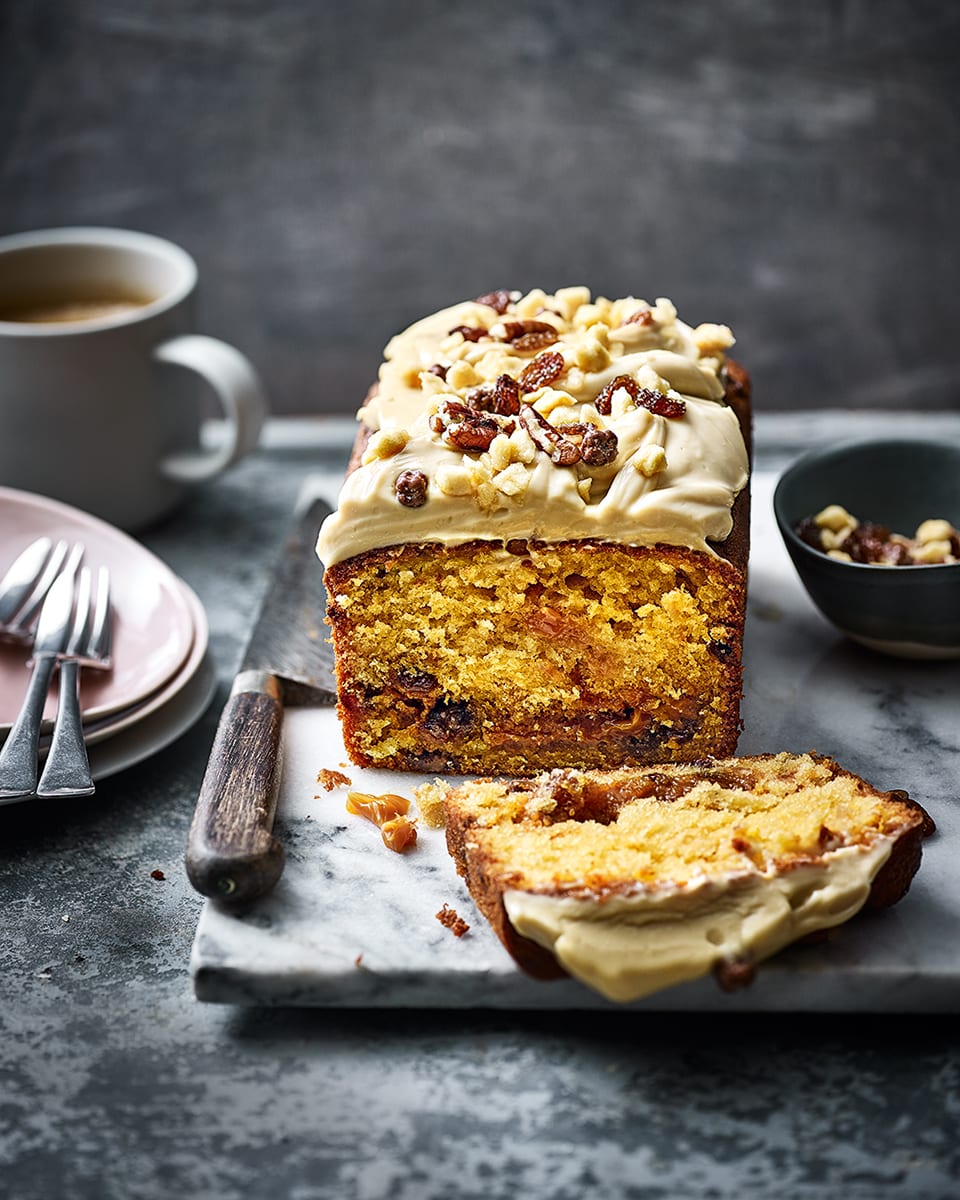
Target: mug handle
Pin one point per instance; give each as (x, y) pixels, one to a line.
(241, 396)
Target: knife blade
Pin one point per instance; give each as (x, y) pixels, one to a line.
(232, 854)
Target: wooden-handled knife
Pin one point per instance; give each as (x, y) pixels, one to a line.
(232, 854)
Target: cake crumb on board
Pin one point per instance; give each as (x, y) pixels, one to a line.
(450, 919)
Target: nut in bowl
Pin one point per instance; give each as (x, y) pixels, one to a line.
(903, 596)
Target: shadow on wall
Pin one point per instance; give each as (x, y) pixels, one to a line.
(339, 170)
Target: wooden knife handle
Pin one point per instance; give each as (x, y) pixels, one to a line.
(232, 855)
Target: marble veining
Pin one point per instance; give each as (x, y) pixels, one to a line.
(352, 924)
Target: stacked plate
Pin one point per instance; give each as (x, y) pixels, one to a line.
(162, 678)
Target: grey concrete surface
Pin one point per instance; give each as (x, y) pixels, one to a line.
(341, 168)
(115, 1084)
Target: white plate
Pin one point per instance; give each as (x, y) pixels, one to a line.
(153, 629)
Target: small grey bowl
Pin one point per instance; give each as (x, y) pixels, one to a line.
(912, 612)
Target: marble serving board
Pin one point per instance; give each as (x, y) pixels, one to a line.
(352, 924)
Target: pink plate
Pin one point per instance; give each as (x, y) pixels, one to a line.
(153, 626)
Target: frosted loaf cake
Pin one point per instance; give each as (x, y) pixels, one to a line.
(539, 555)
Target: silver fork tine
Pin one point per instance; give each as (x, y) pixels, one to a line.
(100, 637)
(26, 582)
(67, 769)
(63, 558)
(20, 577)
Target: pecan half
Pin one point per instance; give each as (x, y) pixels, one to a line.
(466, 428)
(502, 397)
(597, 446)
(544, 369)
(549, 439)
(411, 489)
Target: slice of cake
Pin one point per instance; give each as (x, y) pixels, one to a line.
(637, 879)
(539, 554)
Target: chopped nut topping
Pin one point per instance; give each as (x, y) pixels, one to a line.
(934, 530)
(385, 443)
(712, 339)
(650, 461)
(548, 438)
(466, 428)
(461, 375)
(841, 536)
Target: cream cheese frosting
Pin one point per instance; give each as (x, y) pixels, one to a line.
(674, 457)
(630, 946)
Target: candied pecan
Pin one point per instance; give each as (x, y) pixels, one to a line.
(474, 435)
(498, 300)
(548, 438)
(599, 447)
(506, 396)
(501, 398)
(468, 429)
(471, 333)
(544, 369)
(480, 399)
(411, 489)
(439, 369)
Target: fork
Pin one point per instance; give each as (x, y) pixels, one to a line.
(18, 757)
(67, 769)
(27, 581)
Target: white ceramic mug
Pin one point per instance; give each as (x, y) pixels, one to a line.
(96, 326)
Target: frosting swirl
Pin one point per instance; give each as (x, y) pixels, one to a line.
(650, 450)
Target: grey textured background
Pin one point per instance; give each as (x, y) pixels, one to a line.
(339, 169)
